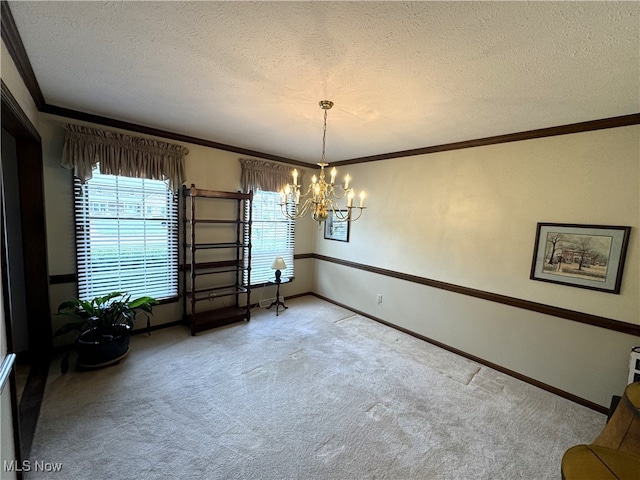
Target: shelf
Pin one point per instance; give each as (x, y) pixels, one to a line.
(213, 268)
(216, 292)
(222, 270)
(213, 221)
(231, 266)
(198, 192)
(211, 265)
(216, 318)
(203, 246)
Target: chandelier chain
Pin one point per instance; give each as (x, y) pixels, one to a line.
(324, 135)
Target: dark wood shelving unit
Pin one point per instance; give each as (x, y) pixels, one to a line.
(211, 280)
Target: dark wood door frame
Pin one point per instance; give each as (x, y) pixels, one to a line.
(36, 269)
(31, 187)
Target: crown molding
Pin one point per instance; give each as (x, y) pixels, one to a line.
(133, 127)
(613, 122)
(13, 42)
(13, 117)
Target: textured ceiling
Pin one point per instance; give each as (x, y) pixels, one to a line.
(403, 75)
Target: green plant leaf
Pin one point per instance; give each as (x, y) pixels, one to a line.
(143, 302)
(104, 312)
(69, 327)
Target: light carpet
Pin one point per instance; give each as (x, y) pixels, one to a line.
(315, 393)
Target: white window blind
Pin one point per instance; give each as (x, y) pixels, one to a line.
(272, 235)
(126, 237)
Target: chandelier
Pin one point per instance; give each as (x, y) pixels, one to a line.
(321, 197)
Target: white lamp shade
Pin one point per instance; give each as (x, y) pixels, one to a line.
(278, 264)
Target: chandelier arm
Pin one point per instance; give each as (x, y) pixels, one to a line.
(353, 219)
(349, 216)
(342, 217)
(332, 205)
(342, 195)
(339, 218)
(308, 204)
(339, 213)
(284, 207)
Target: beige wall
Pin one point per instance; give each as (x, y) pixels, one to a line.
(468, 217)
(206, 167)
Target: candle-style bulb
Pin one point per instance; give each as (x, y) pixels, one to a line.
(350, 198)
(362, 195)
(347, 179)
(295, 177)
(334, 172)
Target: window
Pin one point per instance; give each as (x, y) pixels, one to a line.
(126, 237)
(272, 235)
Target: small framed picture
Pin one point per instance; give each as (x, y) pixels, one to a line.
(335, 230)
(583, 256)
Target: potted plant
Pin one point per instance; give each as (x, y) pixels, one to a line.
(104, 324)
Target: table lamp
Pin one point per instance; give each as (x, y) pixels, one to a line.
(278, 264)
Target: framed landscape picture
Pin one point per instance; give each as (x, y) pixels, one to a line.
(583, 256)
(334, 230)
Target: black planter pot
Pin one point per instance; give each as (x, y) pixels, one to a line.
(100, 349)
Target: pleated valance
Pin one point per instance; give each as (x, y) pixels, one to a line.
(267, 176)
(119, 154)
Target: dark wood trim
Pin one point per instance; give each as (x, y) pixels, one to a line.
(31, 193)
(14, 120)
(288, 297)
(8, 329)
(586, 318)
(15, 414)
(18, 53)
(297, 295)
(302, 256)
(532, 381)
(613, 122)
(64, 278)
(111, 122)
(153, 328)
(34, 244)
(30, 403)
(193, 191)
(168, 300)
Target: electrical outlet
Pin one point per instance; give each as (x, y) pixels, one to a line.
(379, 298)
